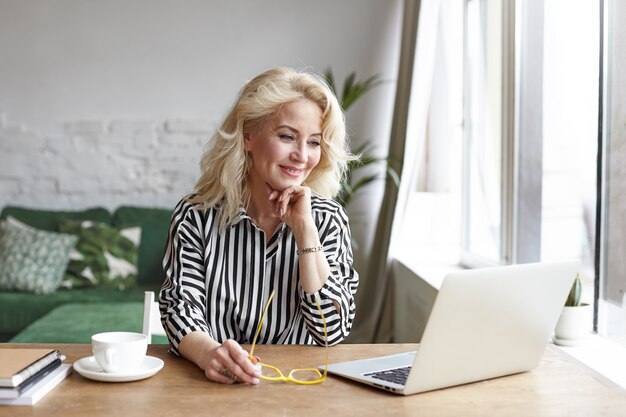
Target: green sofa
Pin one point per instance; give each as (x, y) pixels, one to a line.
(73, 315)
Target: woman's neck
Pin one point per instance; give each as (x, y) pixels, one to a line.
(262, 212)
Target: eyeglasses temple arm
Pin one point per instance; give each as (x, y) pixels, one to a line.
(258, 330)
(317, 303)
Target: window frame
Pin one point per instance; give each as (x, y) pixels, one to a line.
(521, 137)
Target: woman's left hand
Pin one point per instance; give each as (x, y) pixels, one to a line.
(293, 205)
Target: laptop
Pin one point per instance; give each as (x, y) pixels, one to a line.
(485, 323)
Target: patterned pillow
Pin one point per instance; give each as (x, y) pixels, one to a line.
(30, 259)
(104, 256)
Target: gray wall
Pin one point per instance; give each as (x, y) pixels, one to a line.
(105, 103)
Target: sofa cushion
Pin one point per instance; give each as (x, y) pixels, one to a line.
(30, 259)
(49, 219)
(105, 256)
(154, 224)
(19, 309)
(60, 325)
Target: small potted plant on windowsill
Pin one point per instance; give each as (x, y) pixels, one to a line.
(574, 325)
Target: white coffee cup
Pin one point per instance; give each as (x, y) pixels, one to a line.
(119, 352)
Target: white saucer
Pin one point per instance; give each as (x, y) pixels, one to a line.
(89, 368)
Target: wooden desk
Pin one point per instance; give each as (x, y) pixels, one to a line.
(555, 388)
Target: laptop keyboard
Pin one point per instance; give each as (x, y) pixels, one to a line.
(396, 375)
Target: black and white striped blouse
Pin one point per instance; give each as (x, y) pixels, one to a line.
(219, 281)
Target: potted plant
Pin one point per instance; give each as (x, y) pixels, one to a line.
(354, 89)
(574, 325)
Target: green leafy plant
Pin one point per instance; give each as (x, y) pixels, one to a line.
(352, 90)
(573, 299)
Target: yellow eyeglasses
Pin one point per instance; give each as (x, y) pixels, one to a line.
(304, 376)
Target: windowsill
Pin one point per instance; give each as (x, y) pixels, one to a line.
(605, 359)
(429, 264)
(428, 243)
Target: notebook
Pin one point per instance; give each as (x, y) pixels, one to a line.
(17, 365)
(485, 323)
(39, 390)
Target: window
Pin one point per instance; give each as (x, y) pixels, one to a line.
(531, 143)
(612, 239)
(509, 168)
(529, 170)
(570, 134)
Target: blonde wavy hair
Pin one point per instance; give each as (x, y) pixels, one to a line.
(225, 163)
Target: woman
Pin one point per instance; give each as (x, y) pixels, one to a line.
(261, 218)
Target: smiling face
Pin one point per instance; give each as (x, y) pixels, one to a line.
(286, 148)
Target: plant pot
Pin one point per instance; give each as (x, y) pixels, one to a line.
(574, 325)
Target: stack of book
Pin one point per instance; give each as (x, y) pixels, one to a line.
(27, 375)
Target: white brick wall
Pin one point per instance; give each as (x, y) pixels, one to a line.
(101, 163)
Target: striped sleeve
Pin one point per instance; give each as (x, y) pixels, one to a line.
(183, 297)
(341, 285)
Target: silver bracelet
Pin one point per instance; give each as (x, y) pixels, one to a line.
(309, 250)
